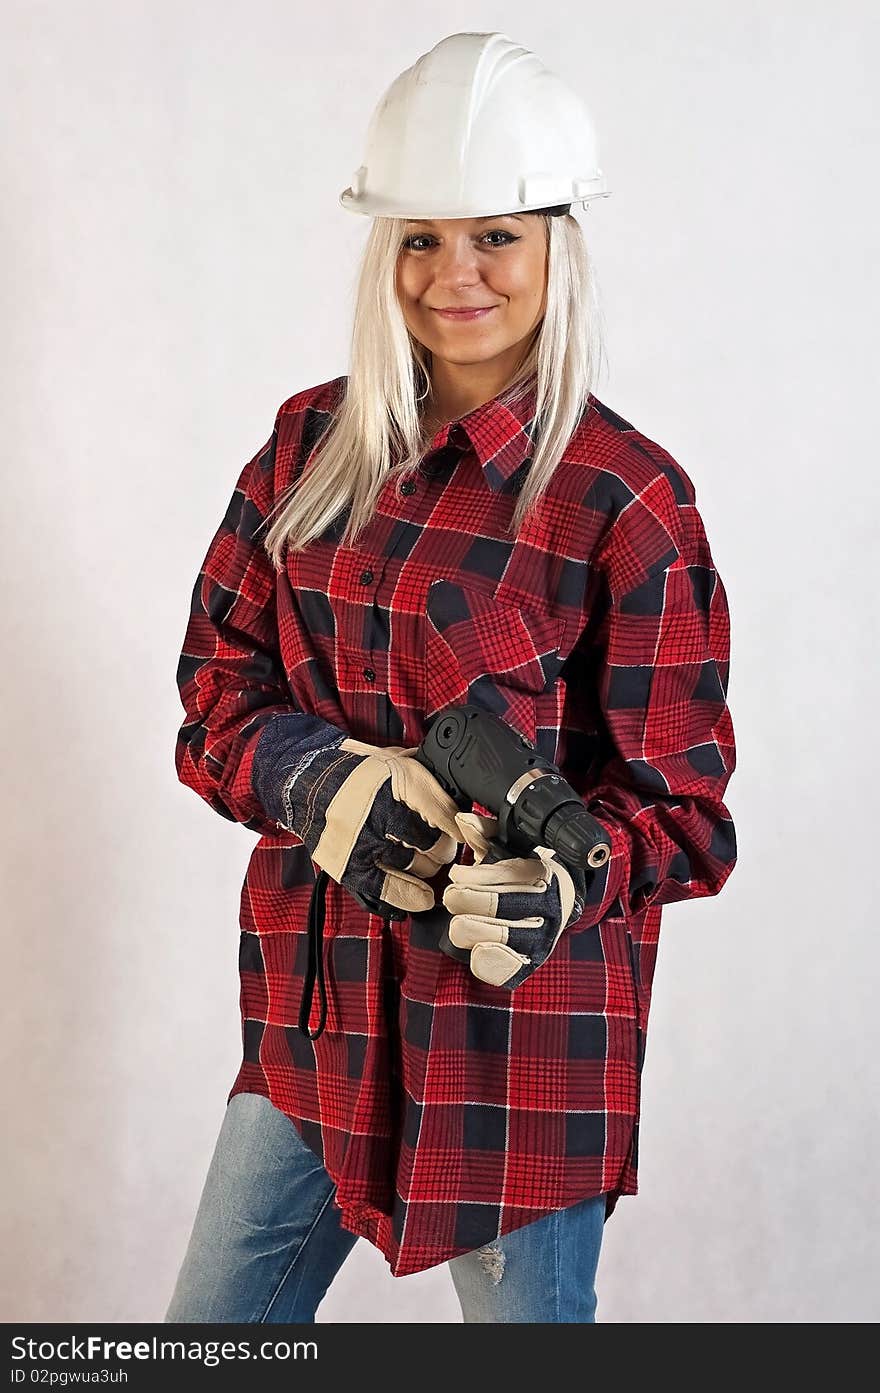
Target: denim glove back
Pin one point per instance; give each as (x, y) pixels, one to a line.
(374, 818)
(509, 913)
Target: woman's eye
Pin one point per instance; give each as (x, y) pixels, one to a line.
(507, 238)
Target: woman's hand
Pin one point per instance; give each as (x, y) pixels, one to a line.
(509, 913)
(374, 818)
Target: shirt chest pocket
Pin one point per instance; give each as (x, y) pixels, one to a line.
(501, 657)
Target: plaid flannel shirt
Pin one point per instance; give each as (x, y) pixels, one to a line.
(448, 1111)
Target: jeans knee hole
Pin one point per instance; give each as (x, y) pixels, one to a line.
(491, 1260)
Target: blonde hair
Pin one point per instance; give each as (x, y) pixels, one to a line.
(377, 431)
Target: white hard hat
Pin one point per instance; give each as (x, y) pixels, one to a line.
(476, 127)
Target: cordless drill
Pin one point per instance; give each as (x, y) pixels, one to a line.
(477, 758)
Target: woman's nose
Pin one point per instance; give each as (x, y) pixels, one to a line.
(456, 263)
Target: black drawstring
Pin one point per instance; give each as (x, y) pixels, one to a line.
(315, 958)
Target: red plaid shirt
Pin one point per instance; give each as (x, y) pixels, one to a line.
(447, 1111)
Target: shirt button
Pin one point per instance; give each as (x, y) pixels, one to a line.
(369, 674)
(366, 577)
(408, 487)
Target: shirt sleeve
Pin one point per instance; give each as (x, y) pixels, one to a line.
(659, 658)
(230, 674)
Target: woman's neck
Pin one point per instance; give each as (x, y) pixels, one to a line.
(454, 395)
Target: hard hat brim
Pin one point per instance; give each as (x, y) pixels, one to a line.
(385, 208)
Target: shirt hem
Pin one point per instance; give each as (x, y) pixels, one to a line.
(364, 1220)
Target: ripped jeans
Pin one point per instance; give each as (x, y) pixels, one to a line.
(266, 1242)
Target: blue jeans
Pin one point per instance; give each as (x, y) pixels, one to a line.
(267, 1243)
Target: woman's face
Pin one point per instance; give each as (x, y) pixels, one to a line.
(496, 264)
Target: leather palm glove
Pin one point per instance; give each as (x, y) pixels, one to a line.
(375, 819)
(509, 913)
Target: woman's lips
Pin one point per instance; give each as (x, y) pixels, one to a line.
(466, 314)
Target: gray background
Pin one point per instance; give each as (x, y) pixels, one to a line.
(175, 264)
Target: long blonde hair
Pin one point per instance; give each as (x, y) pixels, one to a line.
(377, 431)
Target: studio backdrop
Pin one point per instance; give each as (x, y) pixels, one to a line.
(176, 264)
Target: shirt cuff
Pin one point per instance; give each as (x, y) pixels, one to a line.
(606, 884)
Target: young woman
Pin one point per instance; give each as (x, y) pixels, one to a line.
(459, 519)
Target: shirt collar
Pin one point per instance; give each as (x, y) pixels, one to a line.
(501, 435)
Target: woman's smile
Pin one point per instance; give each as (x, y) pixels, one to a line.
(466, 314)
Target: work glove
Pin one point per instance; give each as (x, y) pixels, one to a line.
(375, 819)
(509, 913)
